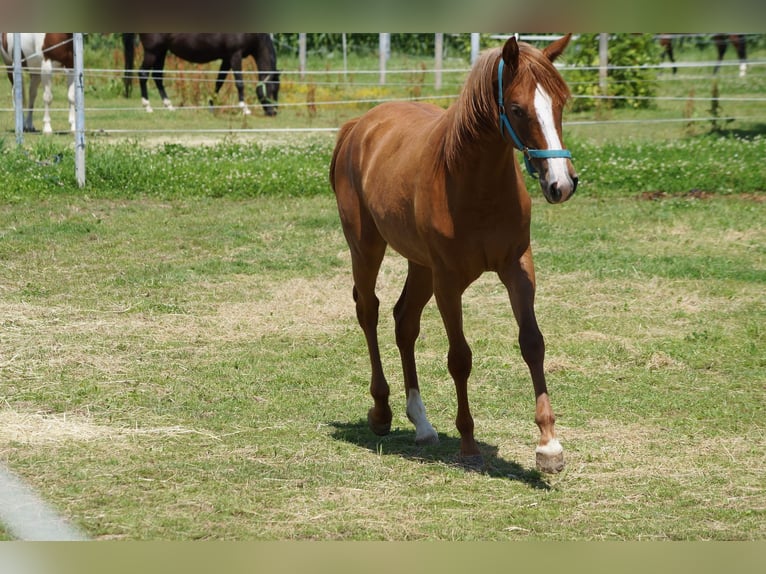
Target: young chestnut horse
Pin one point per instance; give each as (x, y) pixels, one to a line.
(445, 190)
(40, 52)
(231, 49)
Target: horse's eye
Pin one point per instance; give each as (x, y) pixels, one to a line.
(518, 111)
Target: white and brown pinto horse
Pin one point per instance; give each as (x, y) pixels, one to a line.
(444, 189)
(40, 53)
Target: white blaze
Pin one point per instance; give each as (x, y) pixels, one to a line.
(557, 166)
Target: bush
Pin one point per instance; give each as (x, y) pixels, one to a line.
(629, 87)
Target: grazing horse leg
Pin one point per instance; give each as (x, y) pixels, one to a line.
(448, 291)
(520, 283)
(28, 100)
(46, 75)
(223, 71)
(154, 64)
(740, 45)
(70, 97)
(417, 291)
(236, 64)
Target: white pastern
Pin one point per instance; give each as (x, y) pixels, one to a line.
(551, 449)
(557, 167)
(416, 412)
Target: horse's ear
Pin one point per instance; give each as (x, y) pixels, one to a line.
(511, 55)
(554, 49)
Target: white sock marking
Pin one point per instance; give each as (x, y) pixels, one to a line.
(551, 449)
(416, 412)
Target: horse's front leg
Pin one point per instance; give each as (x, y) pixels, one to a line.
(70, 97)
(28, 100)
(448, 290)
(236, 67)
(407, 313)
(519, 279)
(46, 75)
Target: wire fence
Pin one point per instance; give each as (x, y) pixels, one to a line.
(335, 88)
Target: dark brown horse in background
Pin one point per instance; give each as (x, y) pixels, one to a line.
(446, 191)
(40, 52)
(231, 49)
(721, 42)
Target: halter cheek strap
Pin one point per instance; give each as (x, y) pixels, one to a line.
(505, 125)
(260, 90)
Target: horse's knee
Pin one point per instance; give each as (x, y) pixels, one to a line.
(459, 362)
(405, 329)
(532, 345)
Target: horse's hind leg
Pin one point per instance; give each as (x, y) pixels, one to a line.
(366, 263)
(520, 282)
(449, 289)
(407, 312)
(367, 250)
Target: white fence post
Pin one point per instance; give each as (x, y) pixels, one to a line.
(79, 109)
(302, 54)
(438, 60)
(384, 42)
(474, 47)
(18, 89)
(603, 61)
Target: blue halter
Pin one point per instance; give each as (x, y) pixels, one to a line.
(505, 125)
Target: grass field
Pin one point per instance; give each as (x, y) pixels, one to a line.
(191, 369)
(181, 360)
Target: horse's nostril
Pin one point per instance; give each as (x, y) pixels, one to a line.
(554, 192)
(574, 183)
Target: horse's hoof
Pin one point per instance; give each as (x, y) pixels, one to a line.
(550, 463)
(427, 439)
(380, 429)
(472, 462)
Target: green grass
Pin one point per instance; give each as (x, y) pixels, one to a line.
(191, 368)
(241, 169)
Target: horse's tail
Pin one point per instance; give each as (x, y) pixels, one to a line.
(129, 48)
(342, 134)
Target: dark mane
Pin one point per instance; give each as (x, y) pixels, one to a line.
(476, 108)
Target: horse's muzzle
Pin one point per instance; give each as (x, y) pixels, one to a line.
(559, 191)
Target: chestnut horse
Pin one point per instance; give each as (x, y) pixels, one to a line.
(444, 189)
(231, 49)
(40, 52)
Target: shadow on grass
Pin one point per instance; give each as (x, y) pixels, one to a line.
(402, 443)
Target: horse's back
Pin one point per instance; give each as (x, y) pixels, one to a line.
(31, 47)
(390, 136)
(204, 47)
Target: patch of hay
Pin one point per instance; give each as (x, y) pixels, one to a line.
(40, 429)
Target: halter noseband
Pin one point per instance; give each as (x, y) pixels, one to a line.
(505, 124)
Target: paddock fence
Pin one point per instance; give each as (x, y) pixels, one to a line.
(323, 87)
